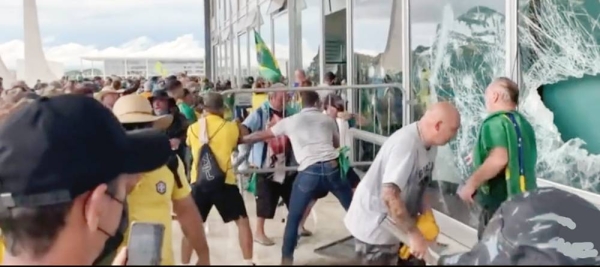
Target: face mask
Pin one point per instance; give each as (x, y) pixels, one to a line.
(161, 112)
(112, 243)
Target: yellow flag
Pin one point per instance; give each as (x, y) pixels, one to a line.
(158, 67)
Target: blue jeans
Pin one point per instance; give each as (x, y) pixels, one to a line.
(318, 179)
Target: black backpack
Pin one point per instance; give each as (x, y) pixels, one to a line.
(210, 176)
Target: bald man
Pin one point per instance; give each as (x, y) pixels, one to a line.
(505, 154)
(395, 185)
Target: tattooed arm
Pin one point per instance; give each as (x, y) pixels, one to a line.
(397, 209)
(399, 166)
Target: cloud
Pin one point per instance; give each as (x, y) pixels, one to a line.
(183, 46)
(70, 54)
(105, 23)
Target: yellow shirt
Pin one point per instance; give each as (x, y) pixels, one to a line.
(146, 94)
(2, 248)
(258, 99)
(221, 144)
(150, 201)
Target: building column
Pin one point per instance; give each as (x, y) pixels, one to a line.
(207, 40)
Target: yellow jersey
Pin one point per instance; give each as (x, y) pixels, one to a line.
(258, 99)
(151, 201)
(221, 144)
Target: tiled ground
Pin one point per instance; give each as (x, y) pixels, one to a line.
(325, 222)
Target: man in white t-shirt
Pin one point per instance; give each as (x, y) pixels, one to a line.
(315, 141)
(395, 186)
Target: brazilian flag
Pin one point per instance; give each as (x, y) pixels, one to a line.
(267, 64)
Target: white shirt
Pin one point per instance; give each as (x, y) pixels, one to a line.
(311, 135)
(402, 160)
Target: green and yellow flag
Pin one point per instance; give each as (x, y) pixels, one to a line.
(267, 64)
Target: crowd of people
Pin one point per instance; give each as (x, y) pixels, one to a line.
(81, 160)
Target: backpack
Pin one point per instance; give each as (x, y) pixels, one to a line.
(210, 176)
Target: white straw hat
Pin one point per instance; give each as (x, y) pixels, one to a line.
(137, 109)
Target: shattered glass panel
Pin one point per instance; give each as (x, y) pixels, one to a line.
(457, 48)
(559, 40)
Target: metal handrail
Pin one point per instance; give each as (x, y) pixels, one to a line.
(313, 88)
(293, 168)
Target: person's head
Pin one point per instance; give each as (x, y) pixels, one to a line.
(148, 86)
(160, 102)
(14, 93)
(439, 124)
(86, 89)
(213, 103)
(306, 83)
(108, 96)
(188, 97)
(174, 88)
(310, 99)
(329, 78)
(64, 166)
(278, 100)
(300, 75)
(116, 84)
(501, 94)
(135, 112)
(333, 104)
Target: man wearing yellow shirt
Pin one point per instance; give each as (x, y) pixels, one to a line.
(223, 138)
(151, 198)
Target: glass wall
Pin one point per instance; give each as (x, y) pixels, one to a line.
(457, 48)
(377, 38)
(559, 41)
(265, 27)
(253, 65)
(281, 29)
(309, 15)
(244, 67)
(236, 61)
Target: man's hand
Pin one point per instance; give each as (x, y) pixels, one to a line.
(466, 193)
(418, 245)
(121, 258)
(175, 142)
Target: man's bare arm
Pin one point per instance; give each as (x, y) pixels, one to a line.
(493, 164)
(257, 136)
(397, 209)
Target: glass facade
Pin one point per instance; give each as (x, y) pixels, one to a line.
(431, 50)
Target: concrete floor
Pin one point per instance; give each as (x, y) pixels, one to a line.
(325, 222)
(223, 242)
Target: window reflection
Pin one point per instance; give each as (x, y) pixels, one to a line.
(377, 41)
(265, 27)
(244, 71)
(253, 65)
(312, 33)
(282, 36)
(457, 48)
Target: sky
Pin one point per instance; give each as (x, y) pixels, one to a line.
(71, 29)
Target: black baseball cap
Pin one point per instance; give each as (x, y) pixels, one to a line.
(546, 226)
(55, 149)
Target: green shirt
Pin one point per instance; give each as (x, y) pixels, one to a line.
(498, 130)
(187, 111)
